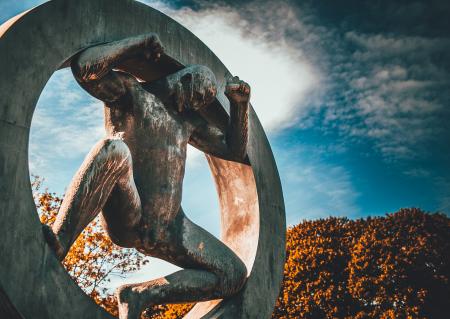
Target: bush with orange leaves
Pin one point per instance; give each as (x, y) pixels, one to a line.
(397, 266)
(173, 311)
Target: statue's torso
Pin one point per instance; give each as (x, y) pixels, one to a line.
(157, 138)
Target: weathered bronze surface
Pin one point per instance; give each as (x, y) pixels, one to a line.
(134, 176)
(36, 43)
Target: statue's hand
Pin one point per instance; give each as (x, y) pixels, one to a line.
(237, 90)
(151, 46)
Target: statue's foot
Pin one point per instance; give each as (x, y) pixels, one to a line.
(53, 242)
(130, 305)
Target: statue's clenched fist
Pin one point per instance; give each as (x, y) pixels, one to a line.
(237, 90)
(152, 46)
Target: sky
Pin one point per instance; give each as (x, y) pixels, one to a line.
(354, 97)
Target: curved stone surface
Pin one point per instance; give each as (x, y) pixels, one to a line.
(35, 44)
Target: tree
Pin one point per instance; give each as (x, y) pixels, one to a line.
(396, 266)
(315, 273)
(400, 266)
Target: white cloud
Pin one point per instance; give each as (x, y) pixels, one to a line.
(391, 92)
(281, 79)
(66, 124)
(385, 45)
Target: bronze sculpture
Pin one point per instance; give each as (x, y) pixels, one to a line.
(134, 175)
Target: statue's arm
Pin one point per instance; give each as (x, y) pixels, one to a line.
(93, 68)
(232, 144)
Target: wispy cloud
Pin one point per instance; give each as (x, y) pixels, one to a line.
(66, 124)
(314, 188)
(395, 92)
(282, 79)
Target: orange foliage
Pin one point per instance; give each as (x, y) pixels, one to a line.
(400, 266)
(174, 311)
(396, 266)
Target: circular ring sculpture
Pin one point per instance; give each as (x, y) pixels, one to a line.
(33, 45)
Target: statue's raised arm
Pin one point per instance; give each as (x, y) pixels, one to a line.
(93, 67)
(231, 144)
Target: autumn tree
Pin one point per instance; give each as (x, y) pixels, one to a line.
(396, 266)
(400, 266)
(315, 273)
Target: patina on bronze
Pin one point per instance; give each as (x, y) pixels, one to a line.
(134, 176)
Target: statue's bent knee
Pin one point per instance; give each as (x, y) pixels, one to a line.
(235, 279)
(114, 149)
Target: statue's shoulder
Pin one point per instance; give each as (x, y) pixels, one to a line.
(135, 88)
(127, 78)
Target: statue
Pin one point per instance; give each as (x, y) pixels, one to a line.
(134, 176)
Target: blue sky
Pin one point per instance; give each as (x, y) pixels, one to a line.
(354, 97)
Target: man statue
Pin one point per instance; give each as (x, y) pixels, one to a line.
(134, 176)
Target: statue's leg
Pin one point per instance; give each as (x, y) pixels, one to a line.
(212, 271)
(122, 213)
(107, 164)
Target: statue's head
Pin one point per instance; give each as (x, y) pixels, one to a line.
(193, 88)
